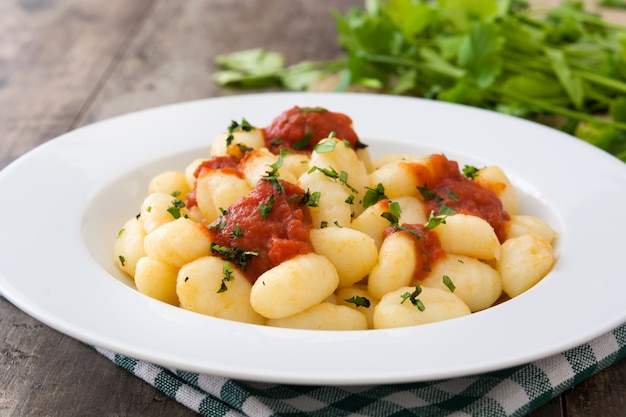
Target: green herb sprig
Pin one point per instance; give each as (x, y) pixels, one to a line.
(359, 301)
(228, 276)
(562, 66)
(412, 297)
(393, 217)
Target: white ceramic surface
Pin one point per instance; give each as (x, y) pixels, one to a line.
(63, 203)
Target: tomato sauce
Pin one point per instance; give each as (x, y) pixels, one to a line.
(299, 129)
(428, 249)
(447, 185)
(228, 163)
(269, 222)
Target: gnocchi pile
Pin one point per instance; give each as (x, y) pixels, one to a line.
(295, 225)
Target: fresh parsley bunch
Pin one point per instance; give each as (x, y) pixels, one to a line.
(565, 67)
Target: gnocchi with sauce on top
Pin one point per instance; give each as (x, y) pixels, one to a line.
(295, 225)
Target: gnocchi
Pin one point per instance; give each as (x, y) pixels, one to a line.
(295, 225)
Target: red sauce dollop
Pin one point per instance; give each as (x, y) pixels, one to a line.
(281, 235)
(299, 129)
(460, 193)
(228, 163)
(428, 250)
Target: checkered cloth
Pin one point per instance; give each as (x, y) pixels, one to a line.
(510, 392)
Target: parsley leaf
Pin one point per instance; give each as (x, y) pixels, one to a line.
(448, 283)
(330, 172)
(412, 297)
(228, 276)
(470, 171)
(266, 208)
(310, 199)
(393, 217)
(374, 195)
(440, 218)
(303, 142)
(174, 210)
(325, 146)
(234, 126)
(359, 301)
(236, 255)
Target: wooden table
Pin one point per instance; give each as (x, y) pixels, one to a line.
(68, 63)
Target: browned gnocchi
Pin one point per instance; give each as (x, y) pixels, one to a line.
(296, 225)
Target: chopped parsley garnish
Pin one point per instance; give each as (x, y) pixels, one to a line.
(440, 218)
(448, 283)
(310, 199)
(470, 171)
(312, 110)
(243, 148)
(276, 165)
(275, 181)
(359, 301)
(237, 232)
(330, 172)
(174, 210)
(234, 126)
(303, 142)
(360, 145)
(325, 146)
(444, 210)
(228, 276)
(176, 193)
(343, 177)
(452, 195)
(349, 199)
(272, 175)
(220, 223)
(277, 142)
(266, 208)
(395, 209)
(323, 224)
(412, 297)
(122, 260)
(393, 217)
(374, 195)
(429, 195)
(120, 232)
(236, 255)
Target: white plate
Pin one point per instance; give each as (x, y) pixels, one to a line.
(64, 202)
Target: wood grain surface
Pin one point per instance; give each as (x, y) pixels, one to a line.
(67, 63)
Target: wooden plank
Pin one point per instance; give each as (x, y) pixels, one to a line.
(173, 56)
(45, 373)
(53, 54)
(605, 391)
(553, 408)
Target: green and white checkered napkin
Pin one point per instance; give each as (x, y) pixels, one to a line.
(511, 392)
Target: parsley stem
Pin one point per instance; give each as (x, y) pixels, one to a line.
(543, 105)
(602, 80)
(447, 70)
